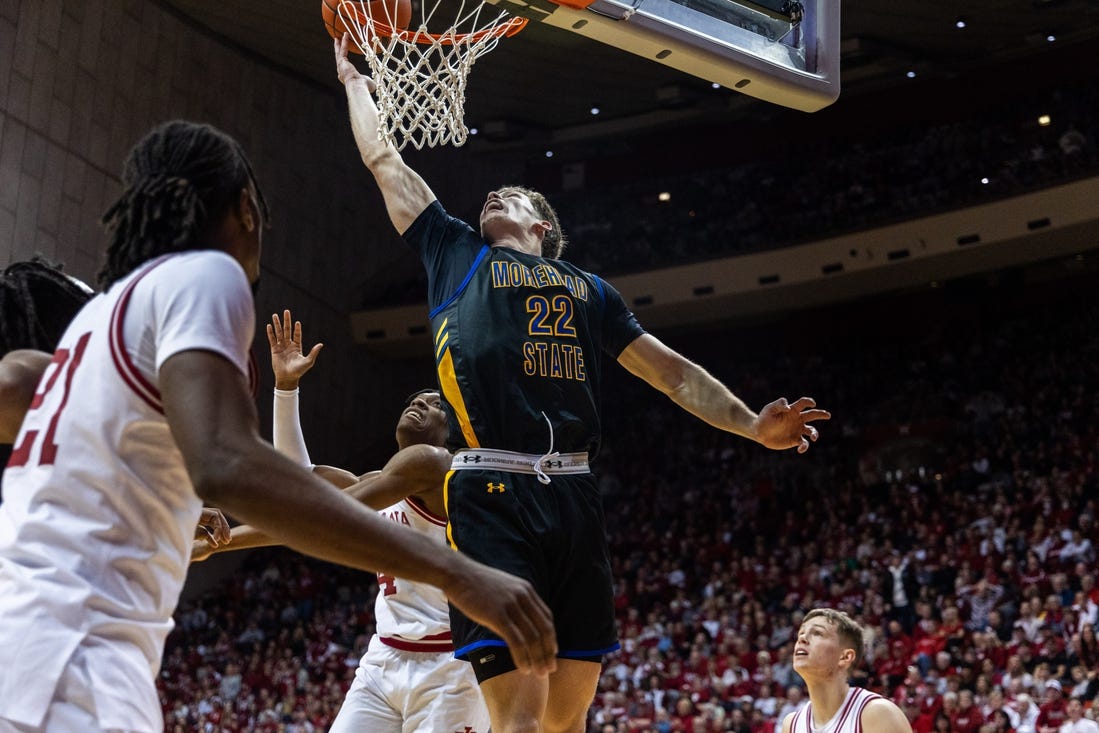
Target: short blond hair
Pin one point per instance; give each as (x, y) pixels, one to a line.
(848, 629)
(554, 242)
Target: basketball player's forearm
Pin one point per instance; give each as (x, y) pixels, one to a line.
(244, 538)
(365, 124)
(687, 384)
(702, 395)
(294, 508)
(19, 375)
(405, 193)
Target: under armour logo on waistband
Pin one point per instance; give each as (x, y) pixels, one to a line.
(499, 488)
(552, 464)
(470, 459)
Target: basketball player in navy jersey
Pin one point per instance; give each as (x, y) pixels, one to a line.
(829, 645)
(518, 340)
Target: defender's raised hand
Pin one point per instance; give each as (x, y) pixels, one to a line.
(288, 361)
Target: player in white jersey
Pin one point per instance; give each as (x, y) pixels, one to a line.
(829, 645)
(143, 412)
(408, 681)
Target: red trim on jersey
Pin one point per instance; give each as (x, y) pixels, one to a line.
(136, 381)
(866, 700)
(424, 512)
(433, 643)
(847, 708)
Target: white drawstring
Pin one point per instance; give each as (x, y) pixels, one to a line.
(542, 477)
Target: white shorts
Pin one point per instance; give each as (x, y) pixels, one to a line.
(412, 692)
(73, 707)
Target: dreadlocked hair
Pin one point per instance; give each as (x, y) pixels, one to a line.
(179, 179)
(37, 302)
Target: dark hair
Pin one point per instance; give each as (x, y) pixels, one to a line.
(425, 390)
(554, 243)
(37, 302)
(177, 180)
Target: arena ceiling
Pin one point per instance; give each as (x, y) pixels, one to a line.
(546, 81)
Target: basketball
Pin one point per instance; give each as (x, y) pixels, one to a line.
(395, 12)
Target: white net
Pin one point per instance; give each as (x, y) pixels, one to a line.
(421, 76)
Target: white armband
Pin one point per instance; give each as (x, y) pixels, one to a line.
(286, 431)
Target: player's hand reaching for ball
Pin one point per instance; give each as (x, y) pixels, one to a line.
(345, 70)
(781, 425)
(509, 606)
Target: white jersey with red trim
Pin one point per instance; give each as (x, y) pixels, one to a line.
(408, 681)
(413, 616)
(99, 513)
(848, 719)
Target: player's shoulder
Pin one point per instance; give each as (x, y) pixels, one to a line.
(208, 260)
(426, 455)
(880, 715)
(212, 269)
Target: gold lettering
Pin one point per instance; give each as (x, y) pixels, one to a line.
(529, 367)
(555, 369)
(553, 360)
(500, 277)
(553, 275)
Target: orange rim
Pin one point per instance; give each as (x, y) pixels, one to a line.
(506, 29)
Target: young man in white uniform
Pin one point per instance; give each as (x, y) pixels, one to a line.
(829, 645)
(143, 413)
(408, 681)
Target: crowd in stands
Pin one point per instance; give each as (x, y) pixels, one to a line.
(835, 187)
(950, 507)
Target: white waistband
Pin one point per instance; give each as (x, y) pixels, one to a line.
(505, 460)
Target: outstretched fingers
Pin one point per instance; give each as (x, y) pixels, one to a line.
(806, 409)
(287, 326)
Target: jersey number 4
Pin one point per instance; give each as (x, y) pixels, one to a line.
(65, 361)
(387, 584)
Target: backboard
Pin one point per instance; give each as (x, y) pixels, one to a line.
(780, 51)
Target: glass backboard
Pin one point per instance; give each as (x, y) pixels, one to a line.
(780, 51)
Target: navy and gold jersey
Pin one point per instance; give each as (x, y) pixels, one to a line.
(516, 336)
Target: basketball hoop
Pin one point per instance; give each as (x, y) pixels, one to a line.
(421, 76)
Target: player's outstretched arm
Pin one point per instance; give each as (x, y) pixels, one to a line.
(19, 374)
(406, 195)
(418, 470)
(882, 716)
(213, 421)
(289, 363)
(779, 425)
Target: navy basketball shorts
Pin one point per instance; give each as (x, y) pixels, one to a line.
(552, 535)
